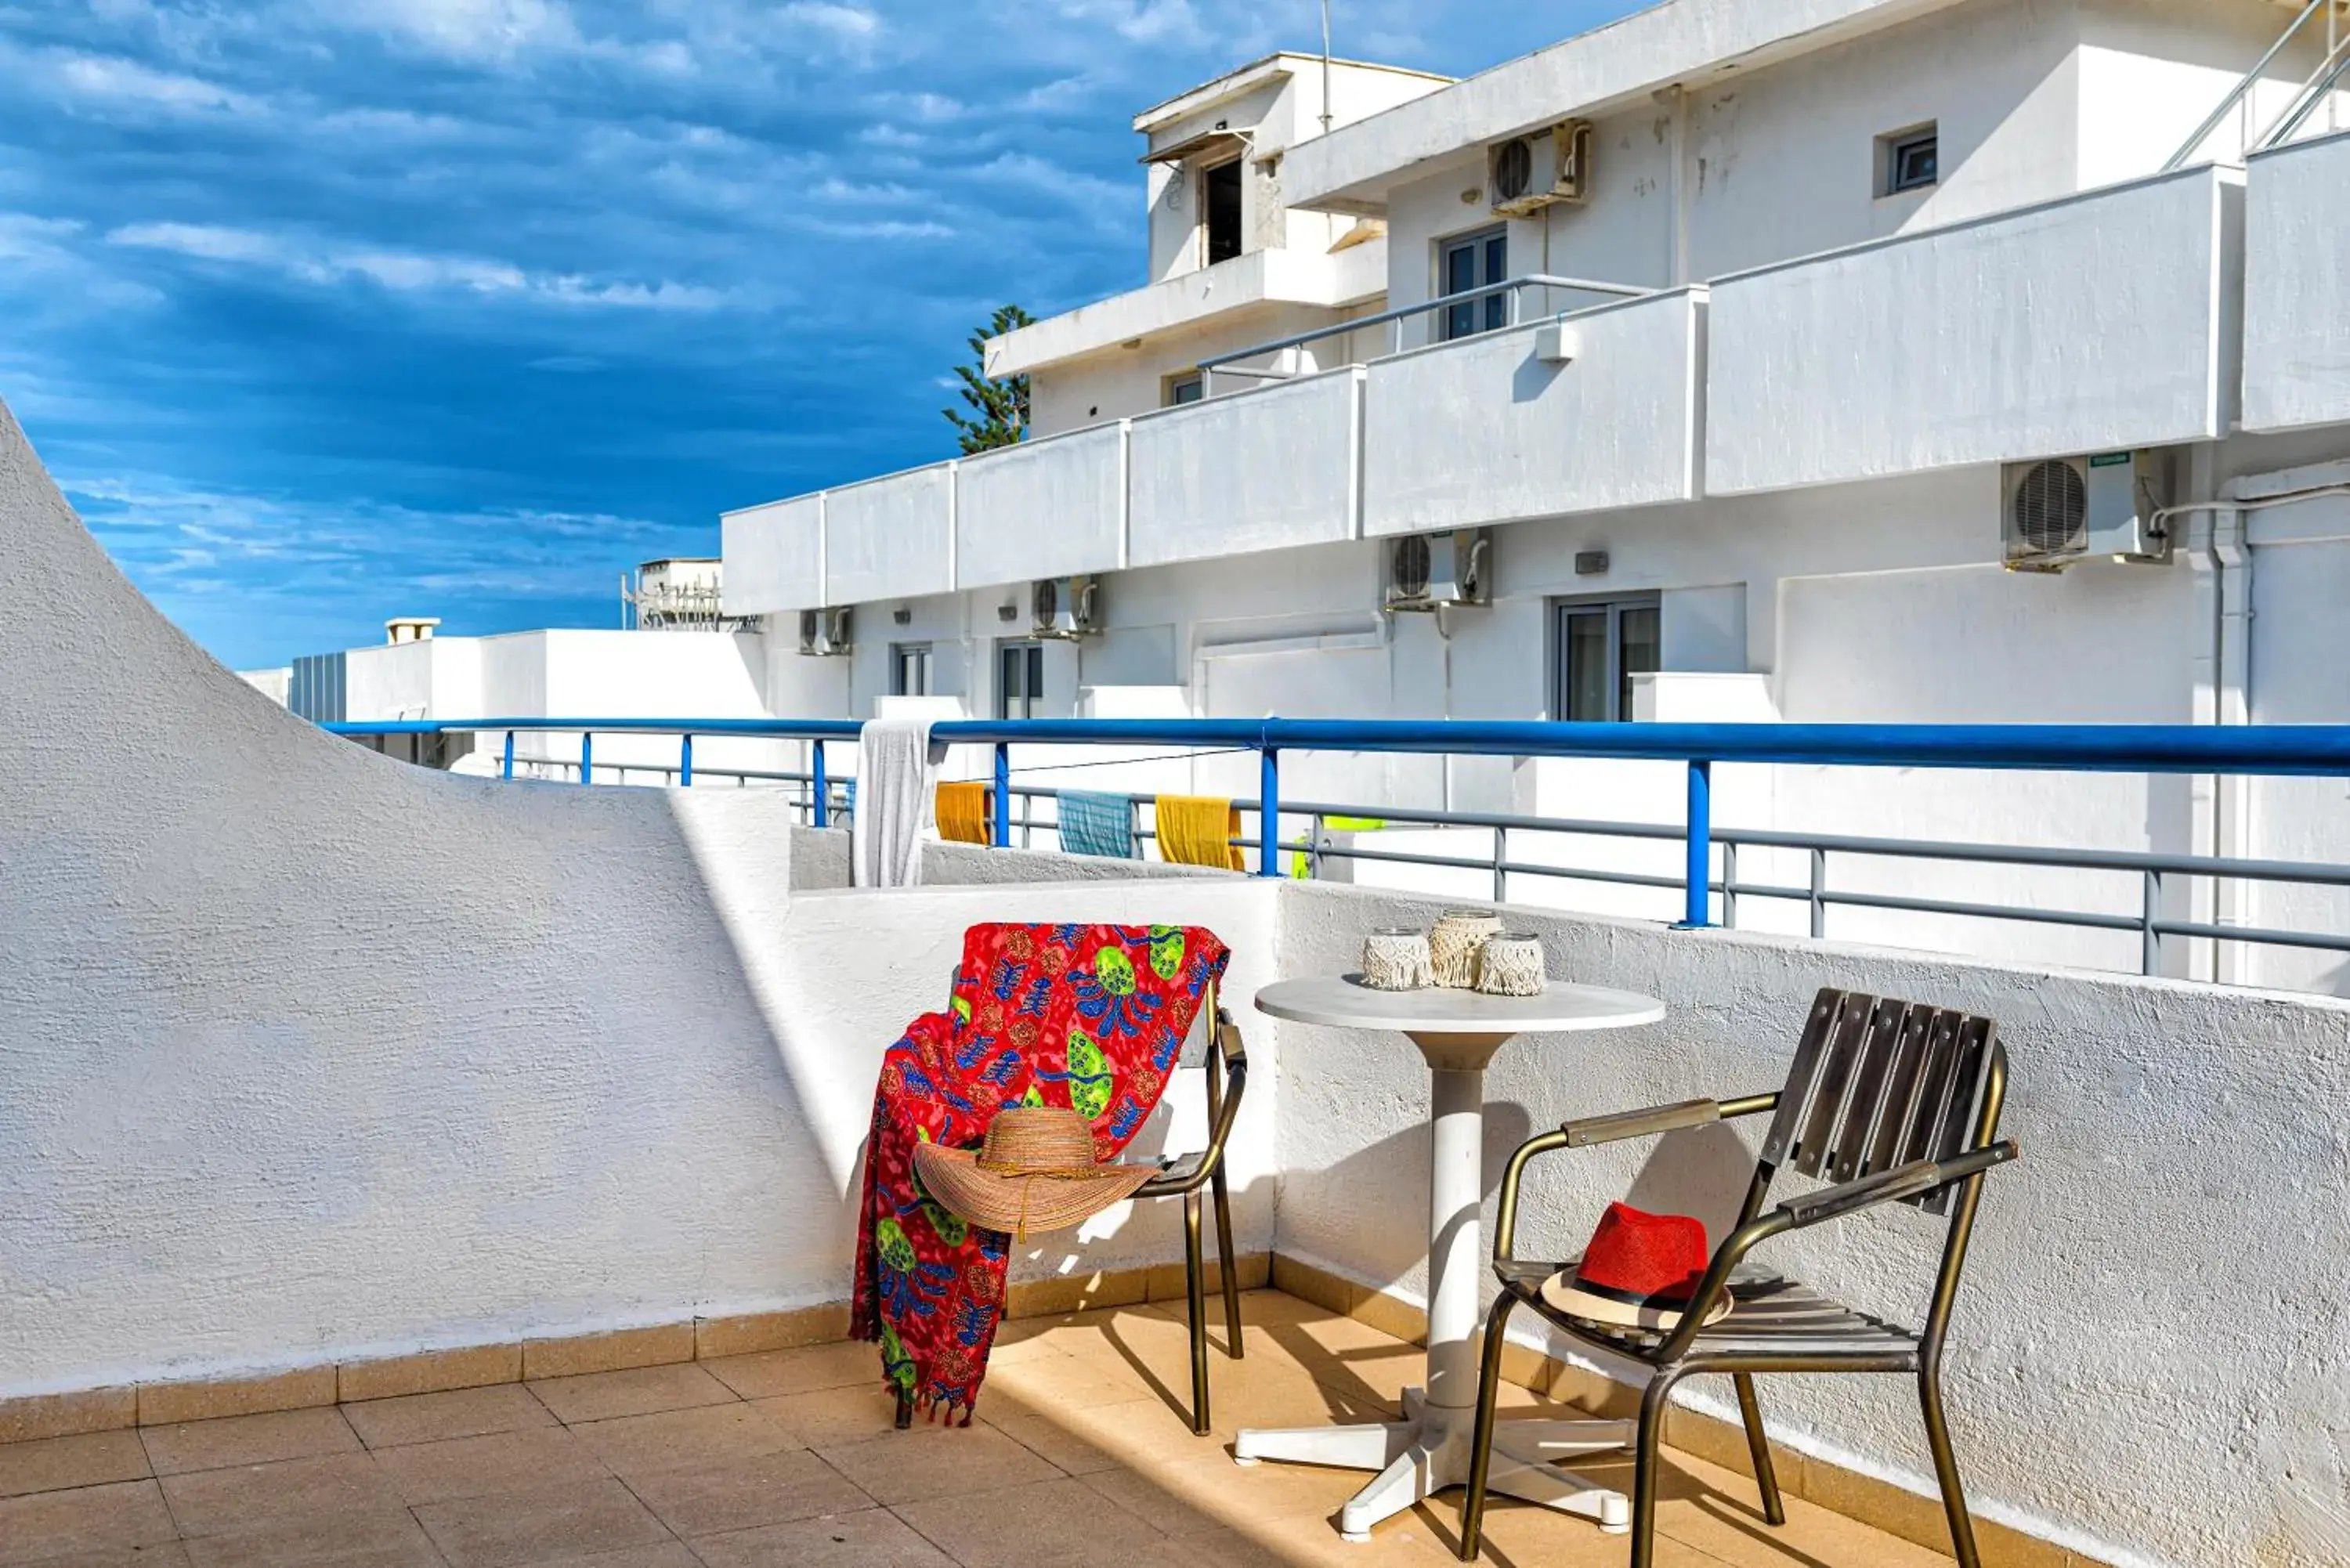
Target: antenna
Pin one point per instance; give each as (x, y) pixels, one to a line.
(1326, 68)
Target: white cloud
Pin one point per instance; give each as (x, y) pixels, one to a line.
(408, 271)
(474, 30)
(845, 24)
(122, 81)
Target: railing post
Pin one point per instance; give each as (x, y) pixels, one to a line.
(1819, 893)
(1003, 833)
(821, 785)
(1501, 873)
(509, 764)
(1730, 884)
(1696, 907)
(587, 757)
(685, 762)
(1268, 813)
(2149, 941)
(1313, 848)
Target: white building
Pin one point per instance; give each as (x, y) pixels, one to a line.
(1872, 261)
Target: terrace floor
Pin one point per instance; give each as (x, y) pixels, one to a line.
(1080, 1456)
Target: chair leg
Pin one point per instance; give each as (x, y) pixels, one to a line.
(905, 1410)
(1481, 1444)
(1196, 1302)
(1766, 1477)
(1946, 1468)
(1232, 1279)
(1653, 1404)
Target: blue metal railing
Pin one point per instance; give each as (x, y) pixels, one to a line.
(2308, 750)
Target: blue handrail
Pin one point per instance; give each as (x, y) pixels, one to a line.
(2321, 749)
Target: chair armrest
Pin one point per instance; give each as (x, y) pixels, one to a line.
(1585, 1131)
(1914, 1179)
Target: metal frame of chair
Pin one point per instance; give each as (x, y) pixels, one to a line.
(1891, 1102)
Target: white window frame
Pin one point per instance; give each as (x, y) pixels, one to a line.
(1482, 313)
(1613, 606)
(906, 655)
(1892, 145)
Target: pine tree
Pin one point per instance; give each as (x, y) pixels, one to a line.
(999, 405)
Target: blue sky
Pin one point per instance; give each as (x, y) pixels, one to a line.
(323, 313)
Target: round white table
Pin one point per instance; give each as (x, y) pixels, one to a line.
(1458, 1031)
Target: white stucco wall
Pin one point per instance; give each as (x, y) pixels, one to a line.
(2296, 276)
(1481, 432)
(2107, 1387)
(1256, 471)
(890, 537)
(774, 557)
(1043, 508)
(2090, 324)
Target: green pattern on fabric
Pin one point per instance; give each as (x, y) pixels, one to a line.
(1090, 1078)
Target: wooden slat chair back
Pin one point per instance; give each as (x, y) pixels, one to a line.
(1878, 1083)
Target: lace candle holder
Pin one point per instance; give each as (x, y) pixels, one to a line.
(1395, 957)
(1510, 964)
(1453, 944)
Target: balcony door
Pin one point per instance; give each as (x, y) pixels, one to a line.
(1472, 261)
(1601, 644)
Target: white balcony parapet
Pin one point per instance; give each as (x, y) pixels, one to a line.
(1264, 278)
(774, 557)
(891, 538)
(1043, 508)
(1262, 470)
(2099, 322)
(2296, 278)
(1481, 430)
(1351, 169)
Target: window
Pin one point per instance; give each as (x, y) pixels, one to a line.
(910, 670)
(1219, 202)
(1472, 262)
(1907, 160)
(1020, 680)
(1183, 389)
(1601, 645)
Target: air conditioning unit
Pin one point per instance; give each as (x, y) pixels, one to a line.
(2061, 510)
(824, 632)
(1432, 571)
(1065, 607)
(1527, 174)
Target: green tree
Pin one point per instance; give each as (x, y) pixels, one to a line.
(998, 404)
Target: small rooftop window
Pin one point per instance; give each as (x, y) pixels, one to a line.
(1907, 160)
(1221, 210)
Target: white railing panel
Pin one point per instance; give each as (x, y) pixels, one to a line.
(2296, 281)
(2095, 323)
(1262, 470)
(1042, 509)
(1479, 430)
(891, 538)
(774, 556)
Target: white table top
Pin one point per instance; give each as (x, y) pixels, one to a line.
(1343, 1002)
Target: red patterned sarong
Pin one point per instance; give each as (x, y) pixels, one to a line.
(1090, 1017)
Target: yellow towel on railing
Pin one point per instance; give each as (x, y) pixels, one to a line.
(964, 814)
(1198, 830)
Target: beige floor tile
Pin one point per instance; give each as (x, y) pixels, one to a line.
(828, 1418)
(1297, 1542)
(705, 1498)
(165, 1555)
(1050, 1438)
(938, 1462)
(712, 1434)
(659, 1555)
(53, 1464)
(1141, 1432)
(459, 1413)
(373, 1540)
(1069, 1382)
(256, 1497)
(529, 1460)
(1060, 1523)
(1211, 1494)
(638, 1391)
(763, 1376)
(90, 1519)
(1521, 1535)
(248, 1440)
(874, 1538)
(529, 1527)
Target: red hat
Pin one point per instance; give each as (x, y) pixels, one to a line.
(1639, 1272)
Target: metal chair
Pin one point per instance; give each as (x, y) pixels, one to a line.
(1891, 1101)
(1223, 1056)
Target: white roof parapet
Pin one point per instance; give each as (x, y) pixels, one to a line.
(1351, 169)
(1242, 79)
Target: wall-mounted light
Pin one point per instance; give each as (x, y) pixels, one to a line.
(1007, 612)
(902, 615)
(1472, 196)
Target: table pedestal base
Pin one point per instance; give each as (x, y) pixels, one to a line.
(1428, 1451)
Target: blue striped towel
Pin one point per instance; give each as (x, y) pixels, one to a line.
(1097, 824)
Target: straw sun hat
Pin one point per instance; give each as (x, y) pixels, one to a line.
(1035, 1170)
